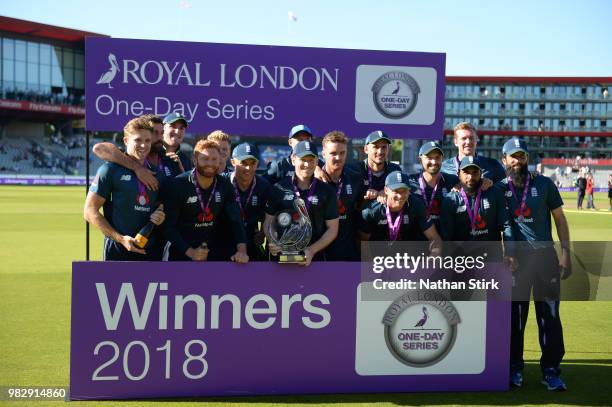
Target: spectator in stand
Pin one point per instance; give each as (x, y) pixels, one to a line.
(589, 191)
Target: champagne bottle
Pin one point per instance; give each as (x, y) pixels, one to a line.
(143, 235)
(142, 238)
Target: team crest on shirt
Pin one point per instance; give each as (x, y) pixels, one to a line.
(534, 192)
(485, 203)
(192, 199)
(126, 177)
(254, 200)
(349, 189)
(217, 197)
(406, 219)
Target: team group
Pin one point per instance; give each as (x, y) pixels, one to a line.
(205, 211)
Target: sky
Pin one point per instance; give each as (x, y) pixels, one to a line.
(484, 38)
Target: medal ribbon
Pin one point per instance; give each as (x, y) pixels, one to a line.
(394, 226)
(523, 203)
(472, 215)
(428, 203)
(310, 192)
(205, 209)
(237, 194)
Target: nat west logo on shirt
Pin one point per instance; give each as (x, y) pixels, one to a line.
(126, 177)
(192, 199)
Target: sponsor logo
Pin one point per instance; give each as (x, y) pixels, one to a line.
(125, 177)
(288, 197)
(420, 328)
(534, 192)
(395, 94)
(217, 197)
(485, 203)
(254, 201)
(314, 200)
(461, 209)
(508, 194)
(406, 219)
(349, 189)
(141, 208)
(192, 199)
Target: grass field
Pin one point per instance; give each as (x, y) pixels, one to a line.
(42, 232)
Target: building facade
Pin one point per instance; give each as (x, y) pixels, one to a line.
(558, 116)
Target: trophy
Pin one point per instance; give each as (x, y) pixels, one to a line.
(291, 232)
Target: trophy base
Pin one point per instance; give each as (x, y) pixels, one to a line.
(289, 258)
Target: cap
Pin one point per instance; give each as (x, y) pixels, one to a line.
(429, 147)
(300, 128)
(377, 135)
(514, 145)
(245, 151)
(468, 161)
(396, 180)
(174, 117)
(304, 148)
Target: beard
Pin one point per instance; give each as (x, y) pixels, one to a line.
(518, 175)
(156, 147)
(472, 190)
(207, 171)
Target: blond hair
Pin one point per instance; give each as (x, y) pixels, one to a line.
(218, 136)
(138, 123)
(465, 126)
(335, 136)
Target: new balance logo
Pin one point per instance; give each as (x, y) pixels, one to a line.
(192, 199)
(126, 177)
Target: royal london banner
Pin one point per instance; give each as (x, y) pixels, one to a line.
(151, 330)
(265, 90)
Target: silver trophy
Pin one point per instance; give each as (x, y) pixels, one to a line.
(291, 232)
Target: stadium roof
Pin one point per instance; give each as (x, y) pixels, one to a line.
(570, 80)
(51, 32)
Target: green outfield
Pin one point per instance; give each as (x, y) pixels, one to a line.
(42, 231)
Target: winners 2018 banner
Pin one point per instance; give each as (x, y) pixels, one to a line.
(265, 90)
(152, 330)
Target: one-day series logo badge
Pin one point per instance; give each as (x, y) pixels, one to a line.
(420, 328)
(395, 94)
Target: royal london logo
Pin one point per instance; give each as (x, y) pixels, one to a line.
(395, 94)
(108, 76)
(420, 328)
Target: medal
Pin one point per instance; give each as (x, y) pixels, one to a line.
(206, 213)
(237, 195)
(475, 219)
(394, 226)
(522, 210)
(429, 204)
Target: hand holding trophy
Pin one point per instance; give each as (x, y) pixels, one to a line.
(291, 233)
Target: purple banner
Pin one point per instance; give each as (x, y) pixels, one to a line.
(265, 90)
(574, 189)
(150, 330)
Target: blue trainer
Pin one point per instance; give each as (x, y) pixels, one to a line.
(516, 378)
(552, 380)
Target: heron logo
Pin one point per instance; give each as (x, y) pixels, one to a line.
(108, 76)
(420, 328)
(395, 94)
